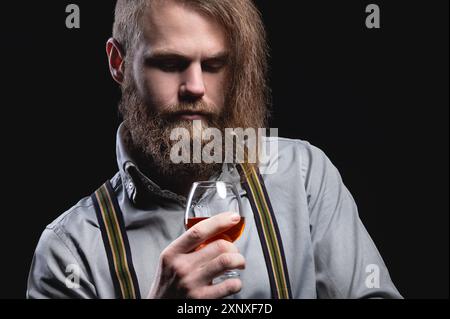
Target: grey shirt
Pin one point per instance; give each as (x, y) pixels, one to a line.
(329, 253)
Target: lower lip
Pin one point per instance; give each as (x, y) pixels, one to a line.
(191, 117)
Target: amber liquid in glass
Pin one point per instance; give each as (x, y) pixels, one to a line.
(231, 234)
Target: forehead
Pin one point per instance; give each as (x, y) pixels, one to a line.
(174, 26)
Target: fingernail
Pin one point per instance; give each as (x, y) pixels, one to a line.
(235, 217)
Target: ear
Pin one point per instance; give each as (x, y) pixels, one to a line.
(116, 59)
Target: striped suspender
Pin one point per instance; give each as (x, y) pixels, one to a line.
(116, 243)
(268, 232)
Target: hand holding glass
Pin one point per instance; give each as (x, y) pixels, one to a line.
(207, 199)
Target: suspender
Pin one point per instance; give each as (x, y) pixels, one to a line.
(118, 251)
(268, 231)
(116, 243)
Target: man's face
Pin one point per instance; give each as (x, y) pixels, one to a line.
(182, 60)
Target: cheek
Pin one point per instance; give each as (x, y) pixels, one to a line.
(161, 88)
(217, 87)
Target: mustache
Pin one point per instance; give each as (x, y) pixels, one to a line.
(200, 108)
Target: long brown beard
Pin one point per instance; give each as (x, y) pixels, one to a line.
(148, 134)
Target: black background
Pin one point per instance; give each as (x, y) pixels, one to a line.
(376, 101)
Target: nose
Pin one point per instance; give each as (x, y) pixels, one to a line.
(193, 86)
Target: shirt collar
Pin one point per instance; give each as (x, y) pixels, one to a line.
(139, 186)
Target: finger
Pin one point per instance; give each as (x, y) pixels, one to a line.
(220, 264)
(203, 231)
(223, 289)
(211, 251)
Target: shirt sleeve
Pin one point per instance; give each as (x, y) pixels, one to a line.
(56, 271)
(348, 265)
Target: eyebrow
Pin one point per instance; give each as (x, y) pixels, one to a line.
(168, 55)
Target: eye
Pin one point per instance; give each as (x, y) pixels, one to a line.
(213, 66)
(173, 66)
(168, 65)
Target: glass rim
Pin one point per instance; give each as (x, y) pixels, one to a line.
(212, 183)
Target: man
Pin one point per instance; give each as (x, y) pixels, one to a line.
(179, 61)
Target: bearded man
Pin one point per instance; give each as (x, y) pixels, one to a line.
(180, 61)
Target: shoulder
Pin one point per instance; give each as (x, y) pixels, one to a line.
(282, 153)
(69, 240)
(78, 225)
(292, 147)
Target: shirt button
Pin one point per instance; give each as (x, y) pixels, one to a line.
(130, 185)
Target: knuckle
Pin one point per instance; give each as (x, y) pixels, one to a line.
(185, 286)
(241, 260)
(166, 257)
(223, 246)
(229, 287)
(225, 260)
(233, 286)
(195, 233)
(180, 268)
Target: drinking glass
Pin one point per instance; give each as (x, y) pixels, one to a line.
(207, 199)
